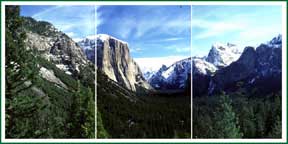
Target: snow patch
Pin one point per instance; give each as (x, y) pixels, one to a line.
(104, 37)
(150, 65)
(203, 67)
(62, 67)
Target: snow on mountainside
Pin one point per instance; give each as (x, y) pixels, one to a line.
(172, 77)
(150, 65)
(260, 67)
(222, 55)
(200, 66)
(88, 45)
(219, 57)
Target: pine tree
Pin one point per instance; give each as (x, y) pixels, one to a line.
(76, 114)
(260, 118)
(89, 124)
(226, 125)
(101, 131)
(82, 115)
(277, 129)
(21, 70)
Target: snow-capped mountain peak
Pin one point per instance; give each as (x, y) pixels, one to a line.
(103, 37)
(86, 43)
(222, 55)
(89, 41)
(173, 77)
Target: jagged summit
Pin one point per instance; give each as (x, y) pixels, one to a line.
(276, 42)
(172, 77)
(255, 66)
(222, 55)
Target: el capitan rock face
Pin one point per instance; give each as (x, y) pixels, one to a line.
(114, 59)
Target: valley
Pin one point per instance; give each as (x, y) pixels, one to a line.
(146, 115)
(121, 80)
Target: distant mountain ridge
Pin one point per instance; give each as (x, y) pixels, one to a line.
(224, 66)
(219, 56)
(255, 68)
(172, 77)
(259, 67)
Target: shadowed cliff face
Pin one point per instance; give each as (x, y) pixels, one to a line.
(258, 67)
(113, 58)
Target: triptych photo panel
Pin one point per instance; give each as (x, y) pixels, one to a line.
(187, 72)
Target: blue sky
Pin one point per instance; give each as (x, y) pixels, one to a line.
(76, 21)
(151, 31)
(241, 25)
(163, 32)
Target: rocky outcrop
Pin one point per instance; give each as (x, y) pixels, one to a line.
(221, 55)
(260, 67)
(54, 46)
(238, 70)
(50, 76)
(114, 59)
(203, 68)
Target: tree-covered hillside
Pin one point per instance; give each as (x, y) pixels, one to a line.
(237, 115)
(41, 100)
(153, 115)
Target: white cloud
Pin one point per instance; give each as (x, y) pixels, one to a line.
(45, 12)
(173, 39)
(139, 23)
(185, 49)
(81, 20)
(98, 17)
(179, 49)
(255, 36)
(166, 25)
(77, 39)
(136, 50)
(245, 26)
(70, 34)
(240, 25)
(170, 39)
(216, 28)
